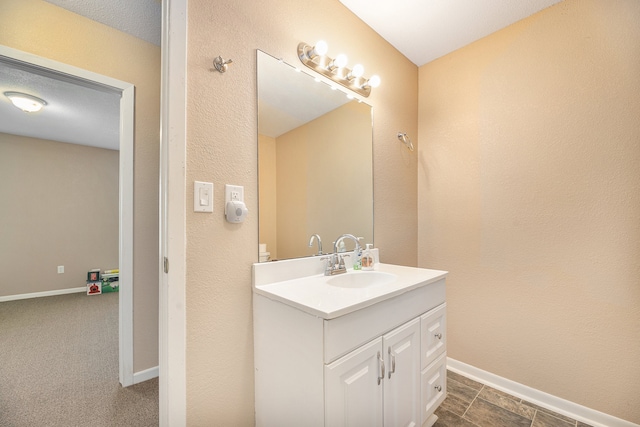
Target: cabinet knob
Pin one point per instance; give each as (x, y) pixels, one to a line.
(439, 388)
(438, 335)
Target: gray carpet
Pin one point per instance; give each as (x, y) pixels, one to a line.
(59, 366)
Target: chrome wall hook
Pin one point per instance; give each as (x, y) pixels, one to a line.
(220, 64)
(404, 138)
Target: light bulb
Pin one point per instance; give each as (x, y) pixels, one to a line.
(321, 48)
(341, 60)
(374, 81)
(358, 70)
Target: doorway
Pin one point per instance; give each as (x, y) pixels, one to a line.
(125, 91)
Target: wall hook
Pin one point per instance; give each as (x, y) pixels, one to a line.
(405, 140)
(221, 64)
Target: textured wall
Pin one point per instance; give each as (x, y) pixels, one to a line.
(222, 148)
(59, 207)
(42, 29)
(529, 194)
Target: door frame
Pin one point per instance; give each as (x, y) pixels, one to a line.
(125, 233)
(172, 245)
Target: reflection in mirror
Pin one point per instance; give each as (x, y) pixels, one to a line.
(314, 163)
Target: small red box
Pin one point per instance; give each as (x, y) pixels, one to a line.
(94, 288)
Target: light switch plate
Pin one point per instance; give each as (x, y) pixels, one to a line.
(202, 196)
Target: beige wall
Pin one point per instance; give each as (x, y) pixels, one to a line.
(222, 148)
(529, 194)
(42, 29)
(59, 207)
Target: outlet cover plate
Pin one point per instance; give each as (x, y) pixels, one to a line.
(233, 192)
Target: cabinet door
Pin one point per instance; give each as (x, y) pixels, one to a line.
(353, 388)
(402, 384)
(434, 334)
(434, 386)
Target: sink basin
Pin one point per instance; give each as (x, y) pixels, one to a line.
(362, 279)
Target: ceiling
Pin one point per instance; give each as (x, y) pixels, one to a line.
(140, 18)
(422, 30)
(77, 112)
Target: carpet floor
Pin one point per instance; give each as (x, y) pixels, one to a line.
(59, 366)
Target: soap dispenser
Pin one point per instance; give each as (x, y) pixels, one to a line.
(367, 259)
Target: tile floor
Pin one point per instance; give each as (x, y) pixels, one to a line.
(472, 404)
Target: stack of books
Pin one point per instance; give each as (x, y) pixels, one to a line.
(110, 281)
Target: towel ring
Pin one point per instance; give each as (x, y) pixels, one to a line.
(405, 140)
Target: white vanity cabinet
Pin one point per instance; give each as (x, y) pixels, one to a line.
(377, 382)
(328, 372)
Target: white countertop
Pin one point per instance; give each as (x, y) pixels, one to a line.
(313, 295)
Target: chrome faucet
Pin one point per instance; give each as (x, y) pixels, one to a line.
(317, 237)
(335, 261)
(336, 244)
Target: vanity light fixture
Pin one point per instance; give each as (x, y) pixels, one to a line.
(27, 103)
(336, 69)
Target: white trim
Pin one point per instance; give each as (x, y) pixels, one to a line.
(43, 294)
(146, 375)
(537, 397)
(127, 106)
(172, 322)
(126, 90)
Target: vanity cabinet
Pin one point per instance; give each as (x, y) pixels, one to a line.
(314, 371)
(377, 382)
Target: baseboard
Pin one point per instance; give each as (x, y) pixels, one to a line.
(43, 294)
(537, 397)
(147, 374)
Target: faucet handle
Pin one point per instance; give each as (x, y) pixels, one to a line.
(329, 264)
(342, 257)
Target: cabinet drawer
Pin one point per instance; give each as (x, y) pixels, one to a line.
(433, 329)
(434, 386)
(345, 333)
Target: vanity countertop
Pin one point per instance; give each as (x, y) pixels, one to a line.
(315, 296)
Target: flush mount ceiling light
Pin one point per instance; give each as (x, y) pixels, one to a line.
(27, 103)
(336, 69)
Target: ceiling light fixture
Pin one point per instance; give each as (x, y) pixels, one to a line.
(27, 103)
(336, 69)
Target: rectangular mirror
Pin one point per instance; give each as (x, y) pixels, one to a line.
(315, 162)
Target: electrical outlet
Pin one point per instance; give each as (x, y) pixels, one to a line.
(60, 269)
(233, 193)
